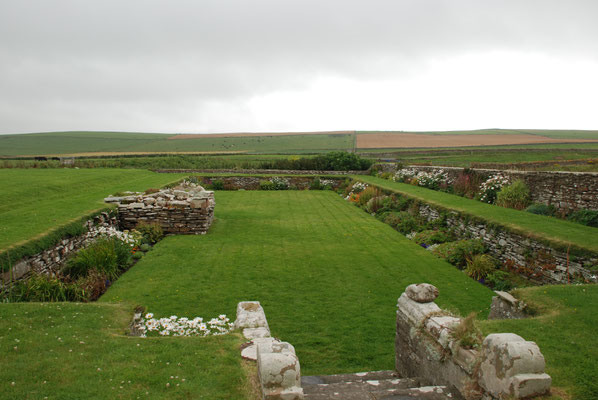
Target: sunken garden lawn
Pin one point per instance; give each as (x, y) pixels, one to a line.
(327, 274)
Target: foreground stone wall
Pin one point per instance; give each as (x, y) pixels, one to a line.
(536, 260)
(51, 260)
(564, 190)
(506, 365)
(187, 209)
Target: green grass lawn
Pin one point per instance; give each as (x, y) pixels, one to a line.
(327, 274)
(34, 201)
(80, 351)
(543, 227)
(566, 332)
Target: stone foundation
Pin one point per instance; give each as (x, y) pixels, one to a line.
(186, 209)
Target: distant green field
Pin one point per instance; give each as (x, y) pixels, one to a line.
(55, 143)
(86, 142)
(34, 201)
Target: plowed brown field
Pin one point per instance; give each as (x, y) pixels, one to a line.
(411, 140)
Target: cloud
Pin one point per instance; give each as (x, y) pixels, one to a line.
(159, 65)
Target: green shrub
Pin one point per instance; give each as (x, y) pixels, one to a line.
(516, 195)
(403, 222)
(137, 255)
(45, 288)
(430, 237)
(152, 232)
(315, 184)
(479, 266)
(145, 247)
(367, 194)
(375, 204)
(499, 280)
(107, 256)
(541, 209)
(267, 185)
(585, 217)
(458, 252)
(217, 185)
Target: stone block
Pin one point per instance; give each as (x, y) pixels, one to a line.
(279, 371)
(415, 312)
(422, 292)
(250, 314)
(512, 366)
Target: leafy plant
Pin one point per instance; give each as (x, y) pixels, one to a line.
(467, 183)
(585, 217)
(45, 288)
(458, 252)
(367, 194)
(403, 222)
(467, 334)
(434, 236)
(499, 280)
(145, 247)
(107, 256)
(217, 185)
(479, 266)
(541, 209)
(516, 195)
(152, 232)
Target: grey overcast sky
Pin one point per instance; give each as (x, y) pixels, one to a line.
(276, 65)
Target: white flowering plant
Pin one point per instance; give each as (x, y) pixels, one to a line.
(133, 238)
(355, 190)
(182, 326)
(490, 188)
(431, 180)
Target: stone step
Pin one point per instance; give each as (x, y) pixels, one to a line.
(355, 377)
(365, 391)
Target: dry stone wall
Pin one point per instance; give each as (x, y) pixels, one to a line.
(52, 259)
(187, 209)
(538, 261)
(564, 190)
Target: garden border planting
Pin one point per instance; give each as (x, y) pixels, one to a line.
(506, 235)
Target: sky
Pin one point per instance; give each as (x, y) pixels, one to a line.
(284, 65)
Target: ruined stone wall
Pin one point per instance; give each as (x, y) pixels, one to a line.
(177, 211)
(538, 261)
(52, 259)
(505, 365)
(564, 190)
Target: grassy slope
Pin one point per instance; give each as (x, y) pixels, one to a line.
(37, 200)
(83, 142)
(566, 333)
(549, 228)
(79, 351)
(327, 274)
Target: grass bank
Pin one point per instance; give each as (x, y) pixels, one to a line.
(560, 232)
(36, 201)
(327, 274)
(566, 330)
